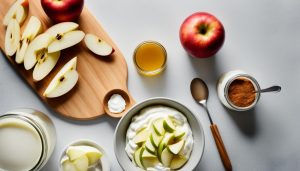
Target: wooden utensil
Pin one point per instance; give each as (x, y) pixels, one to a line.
(97, 75)
(200, 93)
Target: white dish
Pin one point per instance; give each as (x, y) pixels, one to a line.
(120, 133)
(104, 161)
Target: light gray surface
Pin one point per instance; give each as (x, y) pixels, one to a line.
(262, 38)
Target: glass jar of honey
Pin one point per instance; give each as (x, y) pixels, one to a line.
(150, 58)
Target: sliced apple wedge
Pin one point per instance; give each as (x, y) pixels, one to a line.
(64, 36)
(177, 162)
(149, 160)
(60, 29)
(178, 134)
(36, 49)
(44, 65)
(81, 164)
(63, 81)
(150, 147)
(155, 139)
(169, 125)
(12, 37)
(141, 136)
(68, 166)
(166, 157)
(32, 29)
(168, 139)
(175, 148)
(138, 156)
(18, 11)
(98, 46)
(67, 40)
(158, 126)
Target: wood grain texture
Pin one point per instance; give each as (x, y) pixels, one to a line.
(221, 147)
(97, 75)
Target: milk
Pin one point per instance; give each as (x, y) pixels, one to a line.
(20, 145)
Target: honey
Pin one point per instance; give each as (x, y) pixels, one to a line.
(150, 58)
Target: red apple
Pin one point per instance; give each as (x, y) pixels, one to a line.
(202, 35)
(62, 10)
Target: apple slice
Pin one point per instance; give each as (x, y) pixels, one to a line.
(141, 136)
(64, 36)
(149, 146)
(169, 125)
(68, 166)
(32, 29)
(98, 46)
(12, 37)
(138, 156)
(67, 40)
(44, 65)
(18, 11)
(36, 49)
(92, 153)
(63, 81)
(60, 29)
(149, 160)
(81, 164)
(178, 134)
(166, 157)
(158, 126)
(177, 162)
(175, 148)
(155, 139)
(168, 139)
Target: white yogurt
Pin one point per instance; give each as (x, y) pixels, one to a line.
(116, 103)
(145, 119)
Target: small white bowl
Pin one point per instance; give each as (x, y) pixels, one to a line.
(103, 160)
(121, 130)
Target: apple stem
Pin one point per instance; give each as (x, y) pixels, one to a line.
(203, 29)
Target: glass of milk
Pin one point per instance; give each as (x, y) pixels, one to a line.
(27, 140)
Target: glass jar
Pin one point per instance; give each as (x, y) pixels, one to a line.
(223, 86)
(150, 58)
(27, 140)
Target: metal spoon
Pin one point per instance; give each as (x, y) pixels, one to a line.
(269, 89)
(200, 93)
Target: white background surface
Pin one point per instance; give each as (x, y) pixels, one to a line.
(262, 38)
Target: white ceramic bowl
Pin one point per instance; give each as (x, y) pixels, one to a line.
(103, 160)
(121, 130)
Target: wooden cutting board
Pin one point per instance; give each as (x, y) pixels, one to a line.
(97, 75)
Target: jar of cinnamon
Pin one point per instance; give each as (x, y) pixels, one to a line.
(237, 90)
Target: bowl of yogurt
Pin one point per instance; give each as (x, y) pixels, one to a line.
(159, 134)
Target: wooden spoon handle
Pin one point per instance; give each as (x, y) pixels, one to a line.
(221, 147)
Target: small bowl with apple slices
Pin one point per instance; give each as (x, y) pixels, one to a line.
(83, 155)
(159, 134)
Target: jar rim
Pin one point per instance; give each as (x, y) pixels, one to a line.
(255, 84)
(40, 133)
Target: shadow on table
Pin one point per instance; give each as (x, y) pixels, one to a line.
(206, 68)
(246, 121)
(155, 84)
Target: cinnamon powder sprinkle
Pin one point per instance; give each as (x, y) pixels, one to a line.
(241, 92)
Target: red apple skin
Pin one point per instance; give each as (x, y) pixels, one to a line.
(63, 10)
(202, 44)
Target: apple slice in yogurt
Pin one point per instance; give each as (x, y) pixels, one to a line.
(176, 148)
(178, 161)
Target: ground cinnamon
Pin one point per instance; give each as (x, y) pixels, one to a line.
(241, 92)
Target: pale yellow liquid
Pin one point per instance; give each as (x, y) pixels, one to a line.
(150, 58)
(20, 145)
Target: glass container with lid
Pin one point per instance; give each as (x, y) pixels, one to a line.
(27, 140)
